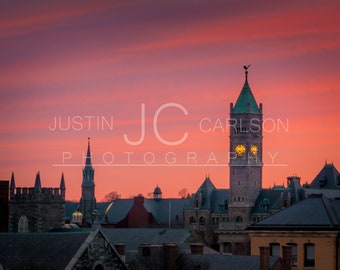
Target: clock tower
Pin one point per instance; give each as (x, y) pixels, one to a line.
(245, 155)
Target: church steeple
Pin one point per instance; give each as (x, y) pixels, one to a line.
(88, 155)
(88, 200)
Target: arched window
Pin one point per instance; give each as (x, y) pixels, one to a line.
(239, 219)
(202, 220)
(23, 224)
(192, 220)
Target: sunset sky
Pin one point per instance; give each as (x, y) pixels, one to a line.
(94, 66)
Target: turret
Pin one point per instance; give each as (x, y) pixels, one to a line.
(37, 184)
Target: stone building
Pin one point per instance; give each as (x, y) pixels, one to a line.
(221, 216)
(36, 209)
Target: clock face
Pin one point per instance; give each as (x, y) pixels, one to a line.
(240, 150)
(254, 150)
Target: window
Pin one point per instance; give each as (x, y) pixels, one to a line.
(239, 219)
(309, 259)
(294, 254)
(192, 220)
(23, 224)
(202, 220)
(275, 249)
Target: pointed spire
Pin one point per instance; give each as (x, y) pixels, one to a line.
(246, 102)
(88, 155)
(12, 185)
(62, 182)
(37, 185)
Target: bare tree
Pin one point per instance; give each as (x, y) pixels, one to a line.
(184, 193)
(111, 196)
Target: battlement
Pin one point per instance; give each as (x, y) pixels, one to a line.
(33, 194)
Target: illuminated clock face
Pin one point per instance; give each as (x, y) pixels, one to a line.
(240, 150)
(254, 150)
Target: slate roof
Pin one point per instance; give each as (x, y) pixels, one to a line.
(246, 97)
(70, 207)
(327, 178)
(39, 250)
(159, 208)
(133, 237)
(219, 197)
(226, 262)
(270, 198)
(212, 198)
(315, 212)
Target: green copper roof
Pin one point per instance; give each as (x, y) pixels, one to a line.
(246, 97)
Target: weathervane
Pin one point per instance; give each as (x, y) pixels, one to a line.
(246, 69)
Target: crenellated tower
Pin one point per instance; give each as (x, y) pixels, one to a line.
(245, 162)
(88, 200)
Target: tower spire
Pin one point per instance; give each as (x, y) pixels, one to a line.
(37, 184)
(12, 184)
(88, 155)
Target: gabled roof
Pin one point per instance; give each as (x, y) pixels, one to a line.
(118, 210)
(133, 237)
(159, 208)
(315, 212)
(162, 209)
(327, 178)
(206, 189)
(47, 250)
(268, 200)
(246, 102)
(61, 250)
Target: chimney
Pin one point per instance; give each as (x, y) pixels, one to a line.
(196, 248)
(120, 247)
(264, 257)
(287, 256)
(170, 251)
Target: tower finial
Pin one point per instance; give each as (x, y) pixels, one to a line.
(246, 71)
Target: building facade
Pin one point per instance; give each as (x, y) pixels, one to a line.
(311, 227)
(36, 209)
(220, 216)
